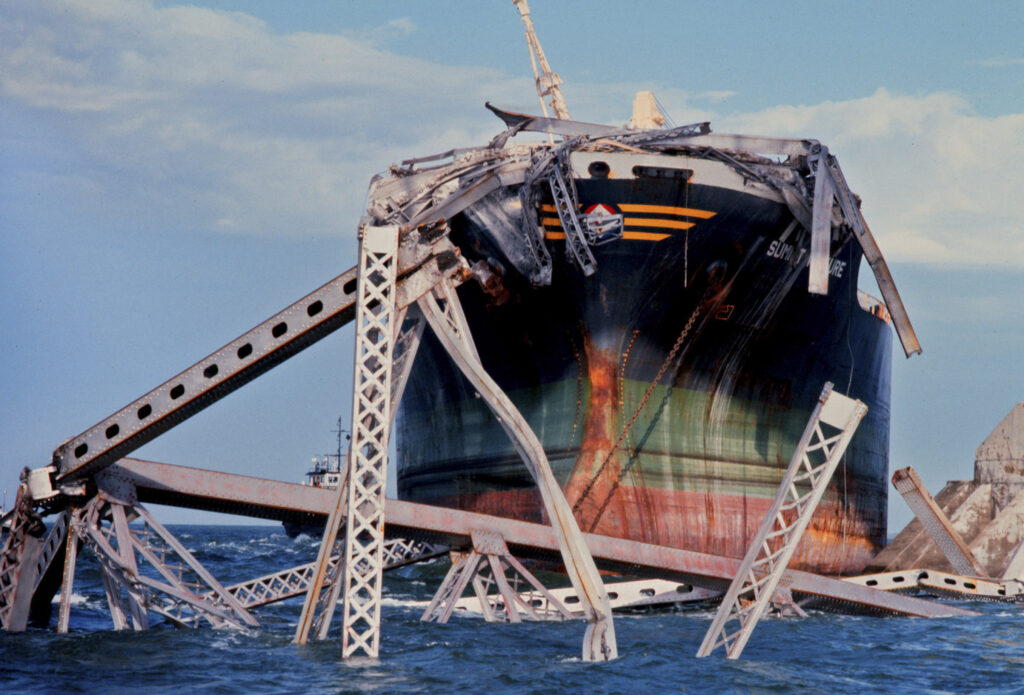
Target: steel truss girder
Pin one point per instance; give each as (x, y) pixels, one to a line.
(269, 499)
(368, 454)
(450, 327)
(19, 557)
(360, 499)
(917, 497)
(485, 567)
(294, 581)
(175, 586)
(563, 193)
(755, 584)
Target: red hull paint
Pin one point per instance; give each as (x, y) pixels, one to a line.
(718, 524)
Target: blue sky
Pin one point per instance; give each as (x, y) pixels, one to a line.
(171, 175)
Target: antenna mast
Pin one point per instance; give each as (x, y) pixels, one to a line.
(547, 81)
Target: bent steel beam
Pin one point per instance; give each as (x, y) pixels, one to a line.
(451, 329)
(873, 255)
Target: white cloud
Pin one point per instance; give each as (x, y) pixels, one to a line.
(209, 119)
(940, 183)
(1001, 62)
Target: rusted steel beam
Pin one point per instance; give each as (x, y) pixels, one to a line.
(200, 489)
(204, 383)
(908, 484)
(421, 265)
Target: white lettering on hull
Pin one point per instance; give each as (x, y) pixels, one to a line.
(794, 256)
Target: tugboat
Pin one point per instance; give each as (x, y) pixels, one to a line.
(325, 472)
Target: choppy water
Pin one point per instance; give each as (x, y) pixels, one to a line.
(822, 653)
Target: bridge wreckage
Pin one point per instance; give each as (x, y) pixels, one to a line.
(572, 228)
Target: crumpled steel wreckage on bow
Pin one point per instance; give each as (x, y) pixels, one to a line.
(709, 263)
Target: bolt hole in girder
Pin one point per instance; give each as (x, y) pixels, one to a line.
(145, 411)
(315, 308)
(210, 371)
(244, 351)
(279, 330)
(113, 431)
(177, 392)
(81, 450)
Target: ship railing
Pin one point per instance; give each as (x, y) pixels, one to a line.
(874, 306)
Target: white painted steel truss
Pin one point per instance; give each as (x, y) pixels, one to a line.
(361, 499)
(449, 324)
(294, 581)
(147, 569)
(938, 526)
(756, 583)
(504, 588)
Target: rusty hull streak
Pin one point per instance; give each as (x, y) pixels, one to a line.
(600, 430)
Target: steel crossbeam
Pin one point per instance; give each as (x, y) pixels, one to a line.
(267, 499)
(196, 488)
(803, 485)
(449, 325)
(943, 584)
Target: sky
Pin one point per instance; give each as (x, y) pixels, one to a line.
(171, 175)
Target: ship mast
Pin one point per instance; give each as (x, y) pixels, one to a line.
(547, 80)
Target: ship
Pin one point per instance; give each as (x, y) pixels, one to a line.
(325, 471)
(668, 367)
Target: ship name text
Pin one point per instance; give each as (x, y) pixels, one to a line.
(794, 256)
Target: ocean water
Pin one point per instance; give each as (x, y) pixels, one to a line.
(821, 653)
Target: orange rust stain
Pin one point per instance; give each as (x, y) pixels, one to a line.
(600, 430)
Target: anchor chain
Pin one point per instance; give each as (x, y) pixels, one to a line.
(636, 414)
